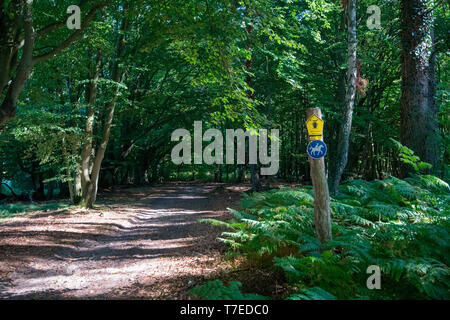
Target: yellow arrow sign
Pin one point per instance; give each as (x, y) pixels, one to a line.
(315, 127)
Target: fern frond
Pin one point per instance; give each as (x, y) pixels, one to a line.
(314, 293)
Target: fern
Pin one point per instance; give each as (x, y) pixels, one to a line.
(430, 182)
(407, 156)
(314, 293)
(401, 225)
(216, 290)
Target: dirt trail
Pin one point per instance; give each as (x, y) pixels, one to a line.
(141, 243)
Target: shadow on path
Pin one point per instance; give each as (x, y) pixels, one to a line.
(140, 236)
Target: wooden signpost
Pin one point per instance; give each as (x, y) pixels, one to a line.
(316, 151)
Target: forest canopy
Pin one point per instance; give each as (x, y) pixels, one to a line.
(137, 70)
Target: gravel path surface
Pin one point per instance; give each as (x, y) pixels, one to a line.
(138, 243)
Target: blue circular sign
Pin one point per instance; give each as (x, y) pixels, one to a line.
(317, 149)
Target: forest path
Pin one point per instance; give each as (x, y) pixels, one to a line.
(138, 243)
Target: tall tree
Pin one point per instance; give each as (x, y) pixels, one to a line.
(350, 95)
(91, 161)
(419, 126)
(254, 173)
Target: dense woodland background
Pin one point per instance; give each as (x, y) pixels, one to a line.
(160, 66)
(91, 109)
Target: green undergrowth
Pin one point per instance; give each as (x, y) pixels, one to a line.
(19, 208)
(216, 290)
(400, 225)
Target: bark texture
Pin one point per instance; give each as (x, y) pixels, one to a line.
(419, 126)
(340, 161)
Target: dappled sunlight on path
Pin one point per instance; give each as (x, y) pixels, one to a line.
(139, 236)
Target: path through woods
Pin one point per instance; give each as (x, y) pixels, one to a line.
(138, 243)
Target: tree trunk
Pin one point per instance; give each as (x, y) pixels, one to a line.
(39, 187)
(433, 152)
(255, 179)
(8, 106)
(9, 26)
(87, 150)
(90, 179)
(418, 128)
(240, 173)
(346, 125)
(254, 174)
(77, 188)
(51, 188)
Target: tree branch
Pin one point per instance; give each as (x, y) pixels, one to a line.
(8, 106)
(74, 36)
(55, 25)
